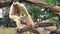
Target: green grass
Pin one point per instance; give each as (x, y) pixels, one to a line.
(10, 31)
(7, 30)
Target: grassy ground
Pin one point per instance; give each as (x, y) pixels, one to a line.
(10, 31)
(7, 30)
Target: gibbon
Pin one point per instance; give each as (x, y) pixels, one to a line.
(15, 11)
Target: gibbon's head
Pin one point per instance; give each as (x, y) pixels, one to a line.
(16, 3)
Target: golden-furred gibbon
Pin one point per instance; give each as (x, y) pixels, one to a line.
(15, 12)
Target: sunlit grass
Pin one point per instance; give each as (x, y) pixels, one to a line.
(7, 30)
(11, 31)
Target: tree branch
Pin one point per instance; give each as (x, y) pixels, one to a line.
(43, 4)
(33, 29)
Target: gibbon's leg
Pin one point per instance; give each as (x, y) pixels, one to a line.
(14, 17)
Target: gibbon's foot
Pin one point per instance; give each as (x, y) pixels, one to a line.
(32, 25)
(20, 27)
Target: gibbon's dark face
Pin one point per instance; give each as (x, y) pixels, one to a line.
(16, 4)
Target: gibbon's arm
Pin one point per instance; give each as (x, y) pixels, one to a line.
(22, 8)
(14, 17)
(12, 11)
(28, 18)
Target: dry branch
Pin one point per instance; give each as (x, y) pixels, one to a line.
(33, 29)
(43, 4)
(37, 30)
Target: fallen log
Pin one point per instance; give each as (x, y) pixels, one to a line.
(29, 28)
(38, 30)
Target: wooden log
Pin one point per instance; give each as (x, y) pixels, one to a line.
(39, 30)
(36, 28)
(51, 28)
(29, 28)
(45, 23)
(24, 29)
(42, 24)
